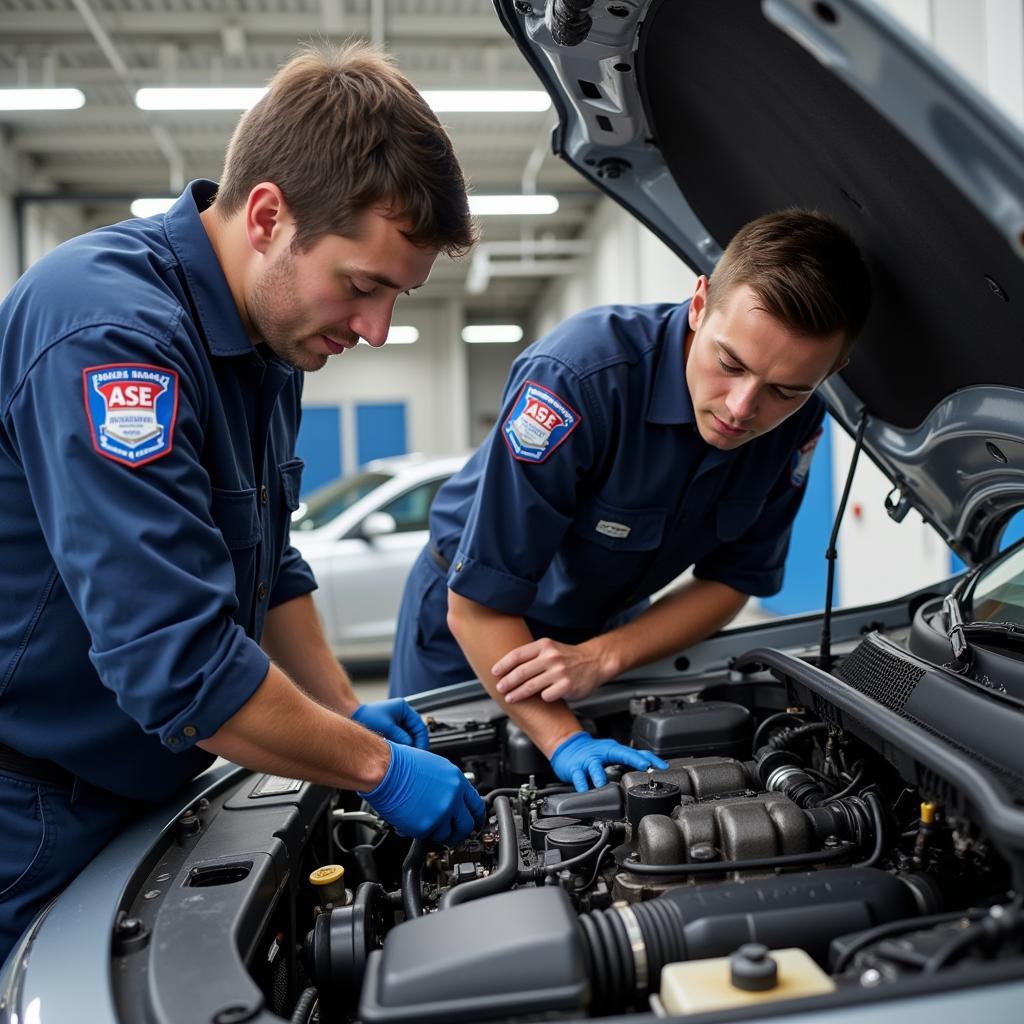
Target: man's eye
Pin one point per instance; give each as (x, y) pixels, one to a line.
(729, 368)
(784, 396)
(356, 290)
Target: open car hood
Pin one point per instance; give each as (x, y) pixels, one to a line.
(700, 115)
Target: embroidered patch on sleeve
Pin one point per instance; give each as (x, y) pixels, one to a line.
(802, 460)
(131, 408)
(538, 423)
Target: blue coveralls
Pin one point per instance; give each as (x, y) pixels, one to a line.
(147, 475)
(594, 490)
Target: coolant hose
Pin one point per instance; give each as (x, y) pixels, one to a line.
(412, 897)
(505, 875)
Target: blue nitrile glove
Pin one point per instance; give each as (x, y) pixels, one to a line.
(581, 757)
(425, 796)
(394, 720)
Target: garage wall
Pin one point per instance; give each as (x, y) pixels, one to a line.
(8, 231)
(430, 377)
(627, 264)
(488, 367)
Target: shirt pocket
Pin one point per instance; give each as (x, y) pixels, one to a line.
(620, 529)
(291, 482)
(735, 516)
(612, 544)
(236, 516)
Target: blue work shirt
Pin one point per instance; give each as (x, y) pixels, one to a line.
(595, 488)
(147, 476)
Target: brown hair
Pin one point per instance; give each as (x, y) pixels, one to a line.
(805, 269)
(341, 130)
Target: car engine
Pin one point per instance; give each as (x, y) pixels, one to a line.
(806, 843)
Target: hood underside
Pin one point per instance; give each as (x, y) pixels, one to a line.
(700, 115)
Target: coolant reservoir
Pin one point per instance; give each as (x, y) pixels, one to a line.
(753, 974)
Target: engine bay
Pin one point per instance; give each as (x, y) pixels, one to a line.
(817, 837)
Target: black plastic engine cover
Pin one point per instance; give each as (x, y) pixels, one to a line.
(703, 728)
(512, 953)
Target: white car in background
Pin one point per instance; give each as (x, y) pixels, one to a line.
(360, 535)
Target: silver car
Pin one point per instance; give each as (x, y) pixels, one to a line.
(360, 535)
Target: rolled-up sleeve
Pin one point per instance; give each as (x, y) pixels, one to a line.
(540, 450)
(752, 560)
(137, 546)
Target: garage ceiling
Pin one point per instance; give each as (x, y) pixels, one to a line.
(109, 152)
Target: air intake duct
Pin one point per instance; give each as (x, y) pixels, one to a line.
(627, 945)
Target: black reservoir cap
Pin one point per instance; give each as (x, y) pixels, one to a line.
(542, 827)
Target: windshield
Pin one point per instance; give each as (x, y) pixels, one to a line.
(998, 592)
(329, 501)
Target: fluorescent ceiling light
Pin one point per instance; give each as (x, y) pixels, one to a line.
(400, 334)
(198, 99)
(487, 101)
(498, 206)
(492, 334)
(152, 205)
(41, 99)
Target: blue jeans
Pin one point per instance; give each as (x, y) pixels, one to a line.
(48, 833)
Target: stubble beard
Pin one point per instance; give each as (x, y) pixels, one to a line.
(273, 292)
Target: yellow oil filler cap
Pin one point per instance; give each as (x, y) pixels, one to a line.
(753, 974)
(329, 882)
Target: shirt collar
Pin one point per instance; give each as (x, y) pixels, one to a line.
(221, 323)
(670, 398)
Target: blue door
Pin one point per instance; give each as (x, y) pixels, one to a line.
(803, 589)
(380, 430)
(319, 444)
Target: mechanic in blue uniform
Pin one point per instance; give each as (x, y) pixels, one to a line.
(150, 385)
(634, 442)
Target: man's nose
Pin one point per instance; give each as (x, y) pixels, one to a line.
(373, 323)
(742, 400)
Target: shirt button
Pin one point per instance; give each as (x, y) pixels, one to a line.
(261, 591)
(458, 567)
(264, 495)
(173, 741)
(190, 730)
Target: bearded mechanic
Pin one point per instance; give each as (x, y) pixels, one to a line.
(152, 612)
(635, 441)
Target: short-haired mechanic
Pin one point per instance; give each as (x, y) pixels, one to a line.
(634, 442)
(152, 611)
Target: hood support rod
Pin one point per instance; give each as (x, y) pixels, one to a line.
(825, 657)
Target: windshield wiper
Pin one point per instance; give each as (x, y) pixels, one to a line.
(962, 655)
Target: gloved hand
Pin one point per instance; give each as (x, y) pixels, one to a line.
(581, 757)
(425, 796)
(394, 720)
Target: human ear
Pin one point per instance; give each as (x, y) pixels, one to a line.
(266, 214)
(699, 302)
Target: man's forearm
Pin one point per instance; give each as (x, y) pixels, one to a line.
(484, 636)
(281, 730)
(294, 639)
(678, 620)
